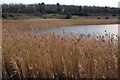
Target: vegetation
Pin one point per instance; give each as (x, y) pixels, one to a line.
(107, 17)
(68, 16)
(19, 16)
(41, 9)
(50, 55)
(31, 24)
(98, 18)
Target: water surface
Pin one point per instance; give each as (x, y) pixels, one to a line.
(99, 29)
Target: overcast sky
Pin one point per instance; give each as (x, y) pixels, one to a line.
(111, 3)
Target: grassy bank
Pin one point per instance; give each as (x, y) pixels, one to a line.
(23, 16)
(49, 55)
(43, 23)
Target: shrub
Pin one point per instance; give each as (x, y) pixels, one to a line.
(4, 16)
(68, 16)
(107, 17)
(114, 15)
(98, 18)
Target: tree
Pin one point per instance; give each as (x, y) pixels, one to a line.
(106, 7)
(39, 4)
(43, 3)
(59, 10)
(58, 4)
(80, 8)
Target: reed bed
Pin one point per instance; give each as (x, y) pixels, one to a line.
(43, 23)
(50, 55)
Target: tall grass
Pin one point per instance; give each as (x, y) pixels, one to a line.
(50, 55)
(43, 23)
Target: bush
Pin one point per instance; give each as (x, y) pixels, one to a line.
(11, 15)
(68, 16)
(44, 17)
(83, 14)
(114, 15)
(98, 18)
(4, 15)
(107, 17)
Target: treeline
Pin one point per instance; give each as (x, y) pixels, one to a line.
(58, 9)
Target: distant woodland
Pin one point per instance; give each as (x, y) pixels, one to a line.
(68, 10)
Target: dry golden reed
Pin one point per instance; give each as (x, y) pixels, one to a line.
(43, 23)
(50, 55)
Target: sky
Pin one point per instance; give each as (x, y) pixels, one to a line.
(111, 3)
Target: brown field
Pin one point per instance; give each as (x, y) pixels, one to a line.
(50, 55)
(42, 23)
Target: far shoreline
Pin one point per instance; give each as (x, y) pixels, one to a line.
(44, 23)
(89, 24)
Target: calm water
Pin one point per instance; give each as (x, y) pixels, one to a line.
(99, 29)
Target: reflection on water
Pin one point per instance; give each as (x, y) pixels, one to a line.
(99, 29)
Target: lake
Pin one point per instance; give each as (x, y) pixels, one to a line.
(99, 29)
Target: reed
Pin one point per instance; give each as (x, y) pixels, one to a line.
(43, 23)
(50, 55)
